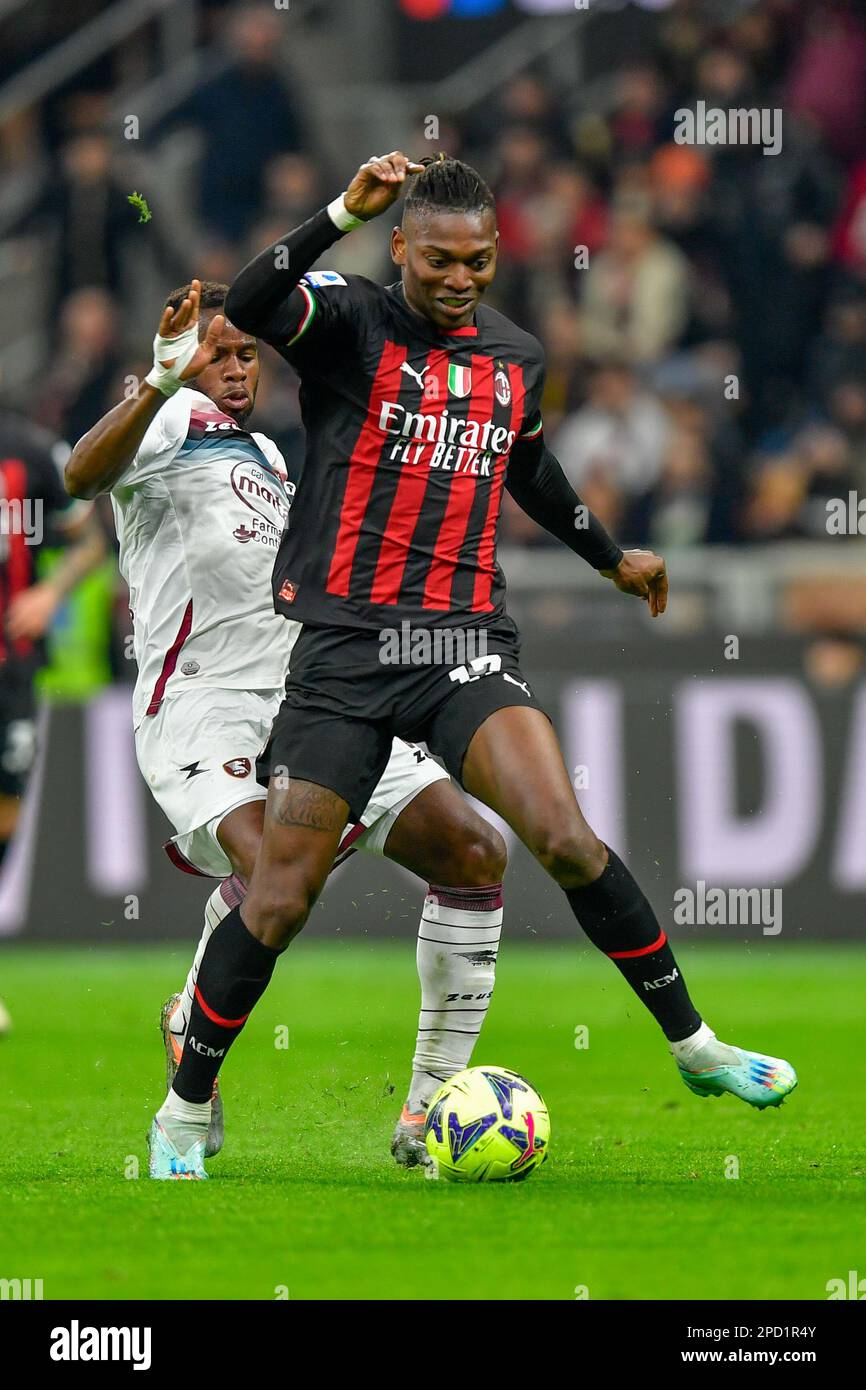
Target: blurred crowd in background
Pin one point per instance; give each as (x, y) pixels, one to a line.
(703, 308)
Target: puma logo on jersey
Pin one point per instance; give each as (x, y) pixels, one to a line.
(515, 681)
(410, 371)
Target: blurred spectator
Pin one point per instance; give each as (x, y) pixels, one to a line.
(636, 122)
(528, 102)
(846, 407)
(849, 234)
(636, 296)
(773, 508)
(565, 379)
(523, 156)
(622, 429)
(292, 188)
(677, 510)
(92, 216)
(681, 179)
(840, 349)
(790, 491)
(247, 116)
(827, 80)
(292, 193)
(74, 393)
(828, 469)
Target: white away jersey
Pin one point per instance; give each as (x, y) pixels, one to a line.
(199, 515)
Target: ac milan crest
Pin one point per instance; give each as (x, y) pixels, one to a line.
(502, 387)
(238, 767)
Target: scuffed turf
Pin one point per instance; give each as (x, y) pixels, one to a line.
(634, 1202)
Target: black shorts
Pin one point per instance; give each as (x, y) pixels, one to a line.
(17, 728)
(349, 693)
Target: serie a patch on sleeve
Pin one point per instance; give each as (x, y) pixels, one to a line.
(319, 279)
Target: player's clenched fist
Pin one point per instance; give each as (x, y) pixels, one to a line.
(377, 184)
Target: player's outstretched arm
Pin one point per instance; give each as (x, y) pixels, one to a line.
(264, 299)
(107, 450)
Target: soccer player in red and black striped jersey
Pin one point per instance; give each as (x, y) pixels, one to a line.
(35, 510)
(421, 405)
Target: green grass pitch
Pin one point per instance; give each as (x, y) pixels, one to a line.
(633, 1203)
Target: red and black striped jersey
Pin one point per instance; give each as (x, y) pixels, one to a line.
(34, 506)
(409, 432)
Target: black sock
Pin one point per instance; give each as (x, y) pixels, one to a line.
(234, 974)
(619, 920)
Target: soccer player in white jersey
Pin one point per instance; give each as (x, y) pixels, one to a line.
(200, 503)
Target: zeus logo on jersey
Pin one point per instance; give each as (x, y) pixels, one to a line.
(458, 445)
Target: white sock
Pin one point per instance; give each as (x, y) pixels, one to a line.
(230, 893)
(184, 1121)
(458, 943)
(686, 1051)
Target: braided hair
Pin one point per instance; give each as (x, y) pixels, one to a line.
(447, 185)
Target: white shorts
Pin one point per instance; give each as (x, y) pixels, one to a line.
(198, 755)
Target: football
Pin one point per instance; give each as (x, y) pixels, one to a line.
(487, 1124)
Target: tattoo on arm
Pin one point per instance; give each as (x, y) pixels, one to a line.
(310, 806)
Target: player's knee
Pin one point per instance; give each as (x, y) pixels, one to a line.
(486, 856)
(573, 855)
(276, 916)
(475, 856)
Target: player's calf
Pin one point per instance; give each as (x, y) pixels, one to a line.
(302, 829)
(440, 836)
(458, 947)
